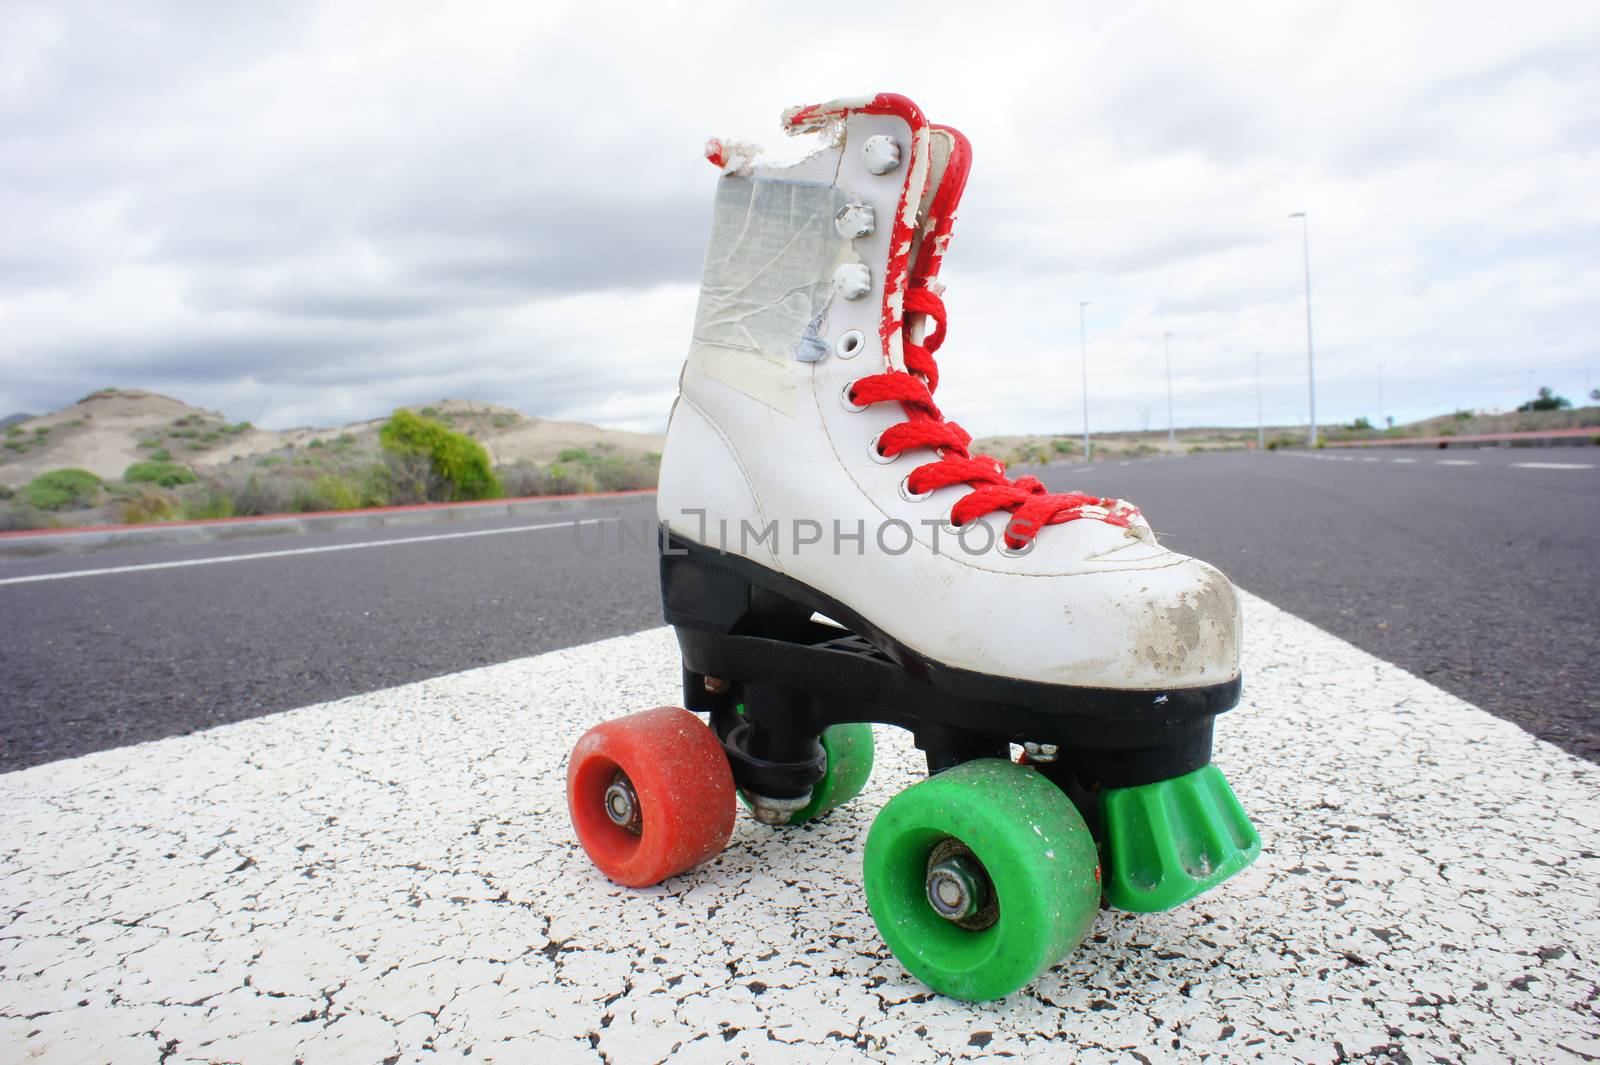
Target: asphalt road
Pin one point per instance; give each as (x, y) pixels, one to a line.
(1480, 575)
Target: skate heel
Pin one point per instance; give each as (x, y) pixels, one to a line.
(699, 587)
(1169, 841)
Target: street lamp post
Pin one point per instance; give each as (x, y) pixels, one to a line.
(1172, 436)
(1380, 397)
(1261, 425)
(1083, 345)
(1311, 361)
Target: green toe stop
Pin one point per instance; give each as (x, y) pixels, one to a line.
(1169, 841)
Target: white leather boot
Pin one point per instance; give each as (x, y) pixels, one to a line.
(806, 404)
(808, 471)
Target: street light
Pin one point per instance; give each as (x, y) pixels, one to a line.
(1311, 362)
(1380, 396)
(1261, 426)
(1172, 436)
(1083, 344)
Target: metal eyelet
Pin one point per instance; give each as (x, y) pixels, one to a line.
(908, 495)
(877, 456)
(850, 344)
(1008, 552)
(946, 525)
(844, 397)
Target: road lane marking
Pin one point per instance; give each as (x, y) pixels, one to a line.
(297, 551)
(1554, 465)
(1457, 462)
(1402, 460)
(391, 844)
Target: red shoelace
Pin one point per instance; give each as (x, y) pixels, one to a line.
(1031, 505)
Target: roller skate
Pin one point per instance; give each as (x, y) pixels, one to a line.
(835, 555)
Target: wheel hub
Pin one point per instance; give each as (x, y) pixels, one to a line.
(622, 803)
(958, 887)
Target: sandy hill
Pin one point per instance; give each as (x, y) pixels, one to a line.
(108, 431)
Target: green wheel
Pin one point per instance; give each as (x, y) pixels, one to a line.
(849, 750)
(981, 878)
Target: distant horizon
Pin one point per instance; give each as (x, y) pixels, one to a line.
(1075, 432)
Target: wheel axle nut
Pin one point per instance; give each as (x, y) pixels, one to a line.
(955, 889)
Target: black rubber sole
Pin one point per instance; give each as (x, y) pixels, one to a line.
(773, 679)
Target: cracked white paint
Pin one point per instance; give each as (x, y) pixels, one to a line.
(392, 877)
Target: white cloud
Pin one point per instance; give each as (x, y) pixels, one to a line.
(313, 212)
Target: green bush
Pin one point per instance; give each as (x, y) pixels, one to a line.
(269, 461)
(160, 454)
(13, 430)
(61, 489)
(573, 454)
(165, 474)
(1061, 447)
(149, 442)
(149, 504)
(315, 443)
(215, 503)
(436, 459)
(6, 492)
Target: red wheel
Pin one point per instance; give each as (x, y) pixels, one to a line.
(650, 795)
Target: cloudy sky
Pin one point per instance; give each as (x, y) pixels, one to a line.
(306, 213)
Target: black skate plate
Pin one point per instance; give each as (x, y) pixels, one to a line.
(790, 677)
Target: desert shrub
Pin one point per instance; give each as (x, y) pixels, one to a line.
(573, 454)
(165, 474)
(147, 505)
(214, 503)
(16, 445)
(43, 430)
(234, 429)
(23, 518)
(6, 492)
(334, 492)
(160, 454)
(60, 489)
(148, 442)
(255, 497)
(317, 442)
(1061, 447)
(557, 479)
(268, 461)
(185, 434)
(13, 430)
(436, 460)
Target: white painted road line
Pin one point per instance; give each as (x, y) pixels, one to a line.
(1554, 465)
(1456, 462)
(71, 574)
(1402, 460)
(393, 875)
